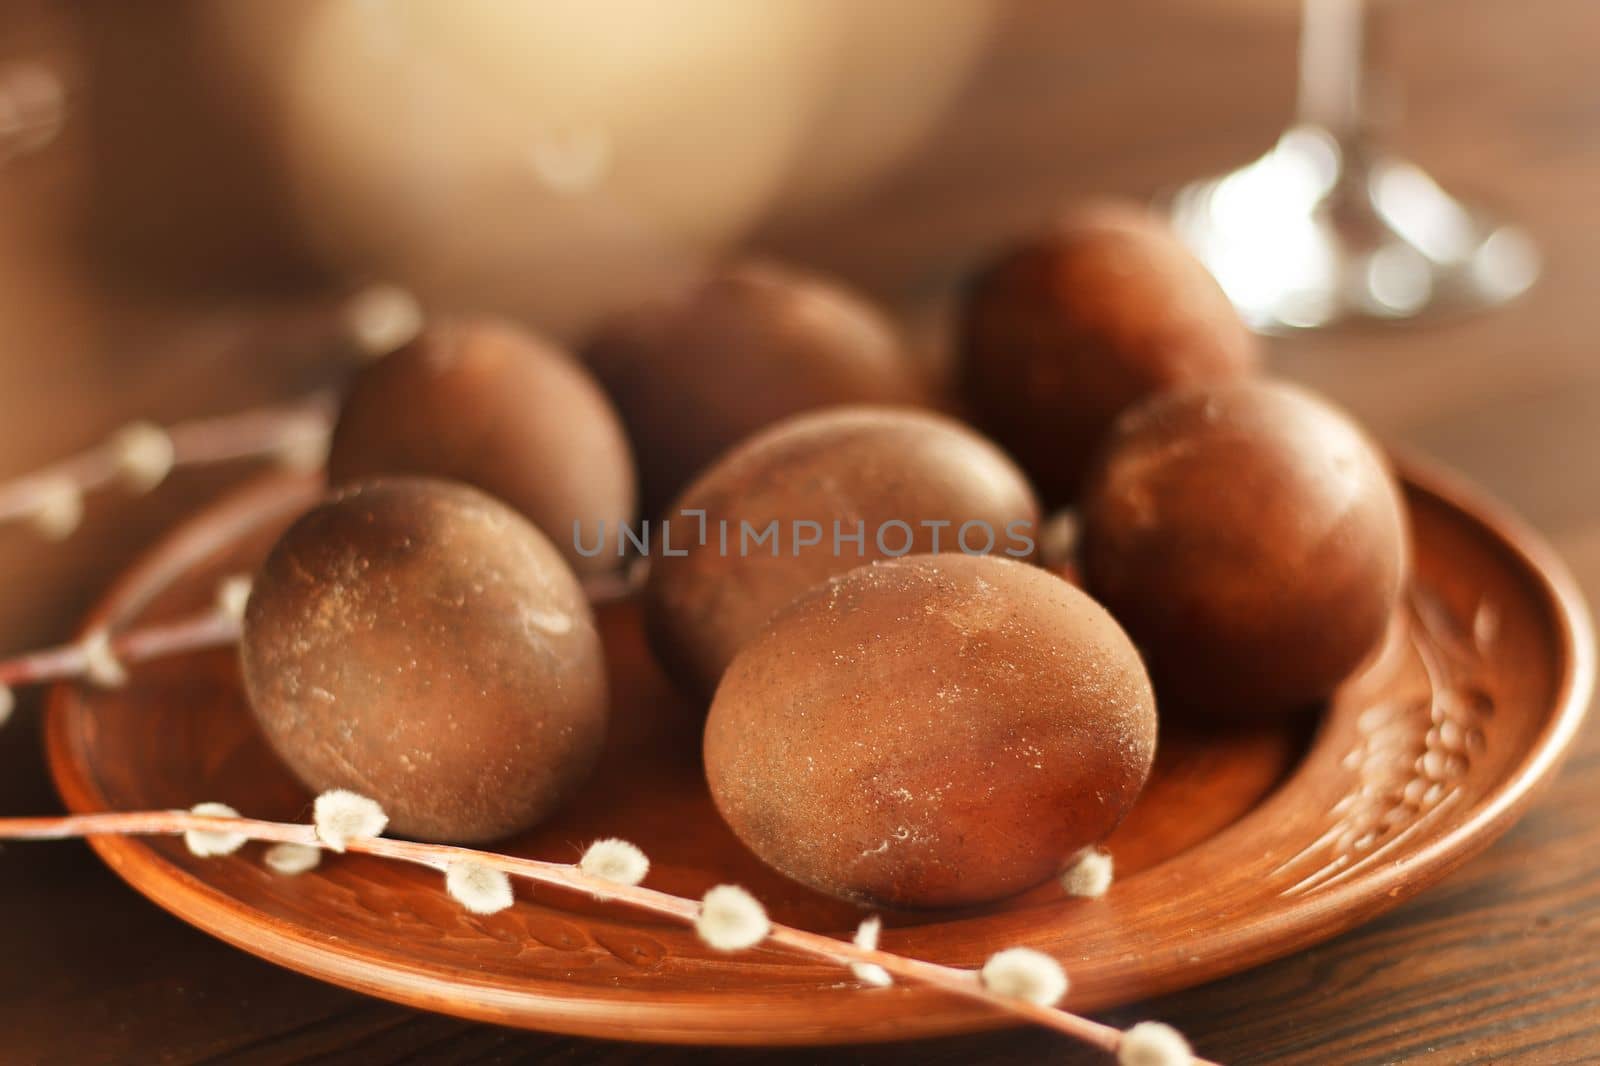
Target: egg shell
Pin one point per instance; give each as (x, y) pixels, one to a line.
(747, 347)
(1067, 329)
(482, 401)
(864, 468)
(421, 644)
(1251, 538)
(931, 731)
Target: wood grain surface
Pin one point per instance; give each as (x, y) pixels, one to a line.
(1500, 963)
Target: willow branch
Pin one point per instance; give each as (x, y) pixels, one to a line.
(141, 456)
(955, 981)
(211, 629)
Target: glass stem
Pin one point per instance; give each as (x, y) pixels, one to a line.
(1334, 78)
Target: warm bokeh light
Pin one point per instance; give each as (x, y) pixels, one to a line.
(559, 159)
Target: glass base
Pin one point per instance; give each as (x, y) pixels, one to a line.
(1306, 236)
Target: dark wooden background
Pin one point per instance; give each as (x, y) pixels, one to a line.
(1500, 963)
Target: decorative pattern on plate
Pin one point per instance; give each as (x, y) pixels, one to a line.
(1411, 752)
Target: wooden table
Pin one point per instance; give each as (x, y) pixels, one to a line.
(1500, 963)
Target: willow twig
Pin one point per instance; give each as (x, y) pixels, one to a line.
(141, 456)
(441, 857)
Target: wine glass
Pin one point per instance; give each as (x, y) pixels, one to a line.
(1328, 225)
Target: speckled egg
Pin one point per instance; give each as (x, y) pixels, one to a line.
(1251, 538)
(814, 496)
(485, 402)
(931, 731)
(422, 644)
(750, 345)
(1067, 329)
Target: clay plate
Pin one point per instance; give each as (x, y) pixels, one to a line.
(1247, 846)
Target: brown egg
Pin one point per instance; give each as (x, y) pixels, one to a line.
(481, 401)
(422, 644)
(1252, 540)
(931, 731)
(751, 345)
(1063, 332)
(907, 481)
